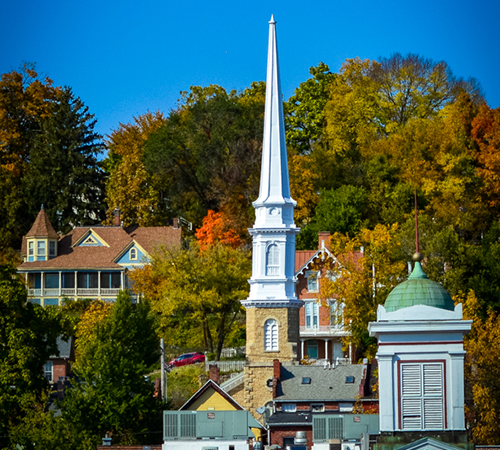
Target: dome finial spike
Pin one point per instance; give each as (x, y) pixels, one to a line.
(272, 19)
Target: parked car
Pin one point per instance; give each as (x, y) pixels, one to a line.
(187, 358)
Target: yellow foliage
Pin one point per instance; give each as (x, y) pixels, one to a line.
(95, 314)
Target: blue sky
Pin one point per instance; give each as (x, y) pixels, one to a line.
(123, 58)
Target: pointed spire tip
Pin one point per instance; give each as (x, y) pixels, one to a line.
(272, 19)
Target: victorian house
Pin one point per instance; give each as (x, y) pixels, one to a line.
(89, 262)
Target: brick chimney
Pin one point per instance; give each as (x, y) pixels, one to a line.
(214, 374)
(117, 214)
(176, 223)
(323, 239)
(276, 376)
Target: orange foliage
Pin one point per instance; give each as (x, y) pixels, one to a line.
(486, 133)
(216, 228)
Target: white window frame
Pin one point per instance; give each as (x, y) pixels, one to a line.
(273, 260)
(48, 371)
(312, 280)
(422, 403)
(311, 314)
(133, 254)
(336, 313)
(31, 248)
(40, 248)
(271, 339)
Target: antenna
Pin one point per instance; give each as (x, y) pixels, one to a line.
(417, 256)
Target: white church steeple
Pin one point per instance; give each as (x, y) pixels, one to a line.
(273, 274)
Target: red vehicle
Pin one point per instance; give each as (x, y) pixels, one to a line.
(187, 358)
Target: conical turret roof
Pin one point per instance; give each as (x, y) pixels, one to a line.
(42, 227)
(418, 289)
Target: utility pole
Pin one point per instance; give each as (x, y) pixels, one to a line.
(163, 379)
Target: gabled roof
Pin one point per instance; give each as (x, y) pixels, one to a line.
(304, 258)
(325, 384)
(42, 227)
(210, 385)
(429, 444)
(70, 256)
(64, 347)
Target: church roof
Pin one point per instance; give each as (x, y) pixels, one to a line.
(42, 227)
(419, 290)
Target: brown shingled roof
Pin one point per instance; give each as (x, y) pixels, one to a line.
(42, 227)
(70, 256)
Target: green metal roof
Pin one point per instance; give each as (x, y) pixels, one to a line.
(418, 290)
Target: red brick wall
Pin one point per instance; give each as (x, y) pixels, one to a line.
(278, 433)
(60, 368)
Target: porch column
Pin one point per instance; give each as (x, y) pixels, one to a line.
(99, 284)
(302, 347)
(326, 350)
(122, 275)
(42, 284)
(60, 283)
(76, 283)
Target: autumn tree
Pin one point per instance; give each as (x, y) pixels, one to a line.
(139, 195)
(216, 228)
(200, 292)
(364, 270)
(482, 369)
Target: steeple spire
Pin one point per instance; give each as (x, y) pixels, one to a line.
(274, 179)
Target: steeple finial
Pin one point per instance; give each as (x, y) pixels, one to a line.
(272, 19)
(417, 257)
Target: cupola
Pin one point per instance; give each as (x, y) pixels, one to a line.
(41, 239)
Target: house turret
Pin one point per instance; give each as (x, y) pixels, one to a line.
(41, 239)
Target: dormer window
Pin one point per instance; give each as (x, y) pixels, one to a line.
(40, 248)
(133, 254)
(312, 281)
(52, 249)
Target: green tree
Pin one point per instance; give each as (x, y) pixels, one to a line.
(197, 292)
(305, 117)
(339, 211)
(207, 154)
(28, 336)
(63, 172)
(113, 357)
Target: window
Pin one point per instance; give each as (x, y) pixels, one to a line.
(317, 407)
(337, 313)
(133, 254)
(306, 380)
(349, 379)
(271, 335)
(289, 407)
(110, 280)
(52, 280)
(312, 314)
(87, 280)
(40, 250)
(52, 248)
(48, 368)
(345, 407)
(272, 260)
(68, 280)
(31, 248)
(312, 281)
(422, 399)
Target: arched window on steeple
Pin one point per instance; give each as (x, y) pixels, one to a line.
(272, 260)
(271, 335)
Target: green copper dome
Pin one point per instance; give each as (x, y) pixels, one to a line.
(418, 290)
